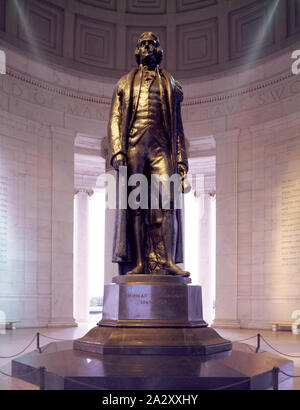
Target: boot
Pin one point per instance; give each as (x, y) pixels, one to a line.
(169, 233)
(139, 237)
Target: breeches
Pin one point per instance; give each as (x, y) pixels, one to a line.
(152, 159)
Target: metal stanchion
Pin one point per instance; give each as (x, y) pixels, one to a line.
(258, 342)
(275, 374)
(42, 378)
(38, 342)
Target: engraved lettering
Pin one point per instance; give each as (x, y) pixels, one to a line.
(3, 219)
(290, 222)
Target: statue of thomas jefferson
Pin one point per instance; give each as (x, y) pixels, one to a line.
(146, 136)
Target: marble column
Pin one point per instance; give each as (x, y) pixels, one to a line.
(62, 203)
(226, 230)
(81, 255)
(205, 263)
(110, 269)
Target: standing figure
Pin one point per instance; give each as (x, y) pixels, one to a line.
(146, 135)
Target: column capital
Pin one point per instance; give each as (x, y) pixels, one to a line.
(89, 192)
(58, 132)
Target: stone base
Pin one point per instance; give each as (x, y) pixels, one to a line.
(64, 323)
(157, 320)
(152, 314)
(69, 369)
(152, 301)
(226, 323)
(159, 341)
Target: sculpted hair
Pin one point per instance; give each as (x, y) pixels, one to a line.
(159, 51)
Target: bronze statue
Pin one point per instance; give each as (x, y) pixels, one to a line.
(146, 135)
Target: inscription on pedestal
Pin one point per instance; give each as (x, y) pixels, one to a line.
(170, 298)
(290, 222)
(141, 301)
(143, 298)
(3, 220)
(146, 299)
(166, 303)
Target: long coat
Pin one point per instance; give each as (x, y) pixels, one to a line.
(121, 117)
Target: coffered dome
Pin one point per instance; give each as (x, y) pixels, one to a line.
(198, 37)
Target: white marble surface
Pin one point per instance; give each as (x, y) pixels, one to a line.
(254, 118)
(81, 255)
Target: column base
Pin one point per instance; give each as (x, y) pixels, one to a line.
(62, 322)
(226, 323)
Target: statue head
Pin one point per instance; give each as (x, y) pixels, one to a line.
(148, 49)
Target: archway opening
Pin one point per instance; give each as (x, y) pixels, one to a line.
(96, 252)
(200, 231)
(89, 229)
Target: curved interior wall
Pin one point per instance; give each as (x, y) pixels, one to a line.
(199, 37)
(253, 116)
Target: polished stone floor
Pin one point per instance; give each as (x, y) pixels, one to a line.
(15, 341)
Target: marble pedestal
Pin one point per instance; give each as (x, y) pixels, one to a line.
(152, 314)
(152, 337)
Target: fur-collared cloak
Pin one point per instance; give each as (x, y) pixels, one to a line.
(123, 108)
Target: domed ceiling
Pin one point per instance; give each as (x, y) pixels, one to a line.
(198, 37)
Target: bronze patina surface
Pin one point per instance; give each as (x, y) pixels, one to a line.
(151, 308)
(152, 315)
(146, 135)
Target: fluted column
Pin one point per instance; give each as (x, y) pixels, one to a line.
(205, 258)
(81, 254)
(226, 230)
(110, 269)
(62, 197)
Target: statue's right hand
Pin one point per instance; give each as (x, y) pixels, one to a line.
(119, 161)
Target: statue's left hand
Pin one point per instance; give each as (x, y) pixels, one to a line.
(181, 170)
(185, 185)
(119, 161)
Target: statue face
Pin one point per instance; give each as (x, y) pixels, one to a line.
(148, 50)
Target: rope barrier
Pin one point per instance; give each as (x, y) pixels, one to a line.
(22, 351)
(243, 340)
(289, 375)
(283, 354)
(258, 336)
(55, 338)
(37, 336)
(275, 374)
(276, 371)
(42, 370)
